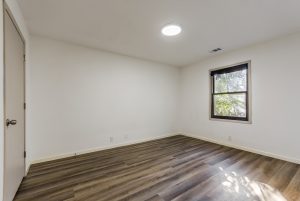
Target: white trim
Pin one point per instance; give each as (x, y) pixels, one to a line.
(50, 158)
(285, 158)
(256, 151)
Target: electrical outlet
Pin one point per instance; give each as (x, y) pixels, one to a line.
(111, 139)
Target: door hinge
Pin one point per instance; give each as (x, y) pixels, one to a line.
(24, 154)
(24, 106)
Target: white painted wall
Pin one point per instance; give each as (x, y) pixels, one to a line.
(275, 99)
(81, 97)
(15, 10)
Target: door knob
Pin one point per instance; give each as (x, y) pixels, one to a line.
(11, 122)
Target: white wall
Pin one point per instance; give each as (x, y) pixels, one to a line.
(81, 97)
(275, 99)
(15, 10)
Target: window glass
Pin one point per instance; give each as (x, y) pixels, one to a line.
(233, 105)
(231, 82)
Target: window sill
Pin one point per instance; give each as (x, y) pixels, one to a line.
(231, 120)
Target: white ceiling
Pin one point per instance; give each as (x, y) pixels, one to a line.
(132, 27)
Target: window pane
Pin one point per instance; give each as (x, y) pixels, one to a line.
(231, 82)
(232, 105)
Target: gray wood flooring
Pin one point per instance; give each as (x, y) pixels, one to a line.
(176, 168)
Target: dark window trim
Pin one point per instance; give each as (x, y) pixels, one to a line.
(230, 69)
(225, 70)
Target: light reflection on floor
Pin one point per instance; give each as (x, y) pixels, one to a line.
(243, 189)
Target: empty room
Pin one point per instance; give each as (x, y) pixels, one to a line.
(150, 100)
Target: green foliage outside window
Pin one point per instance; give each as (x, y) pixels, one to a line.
(229, 94)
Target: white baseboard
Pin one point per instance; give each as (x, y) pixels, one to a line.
(285, 158)
(96, 149)
(256, 151)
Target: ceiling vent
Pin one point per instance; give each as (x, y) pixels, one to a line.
(216, 50)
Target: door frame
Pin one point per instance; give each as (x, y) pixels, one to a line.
(11, 16)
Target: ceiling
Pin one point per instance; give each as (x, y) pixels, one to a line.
(132, 27)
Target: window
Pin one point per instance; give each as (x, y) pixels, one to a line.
(229, 93)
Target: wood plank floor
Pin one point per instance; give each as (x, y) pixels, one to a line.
(176, 168)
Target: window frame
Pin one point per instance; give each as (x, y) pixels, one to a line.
(229, 69)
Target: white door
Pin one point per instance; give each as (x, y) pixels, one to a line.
(14, 87)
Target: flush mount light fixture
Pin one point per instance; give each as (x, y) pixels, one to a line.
(171, 30)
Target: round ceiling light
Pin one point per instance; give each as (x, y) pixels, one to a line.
(171, 30)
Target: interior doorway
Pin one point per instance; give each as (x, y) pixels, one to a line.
(14, 106)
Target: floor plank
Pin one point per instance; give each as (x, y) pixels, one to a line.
(176, 168)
